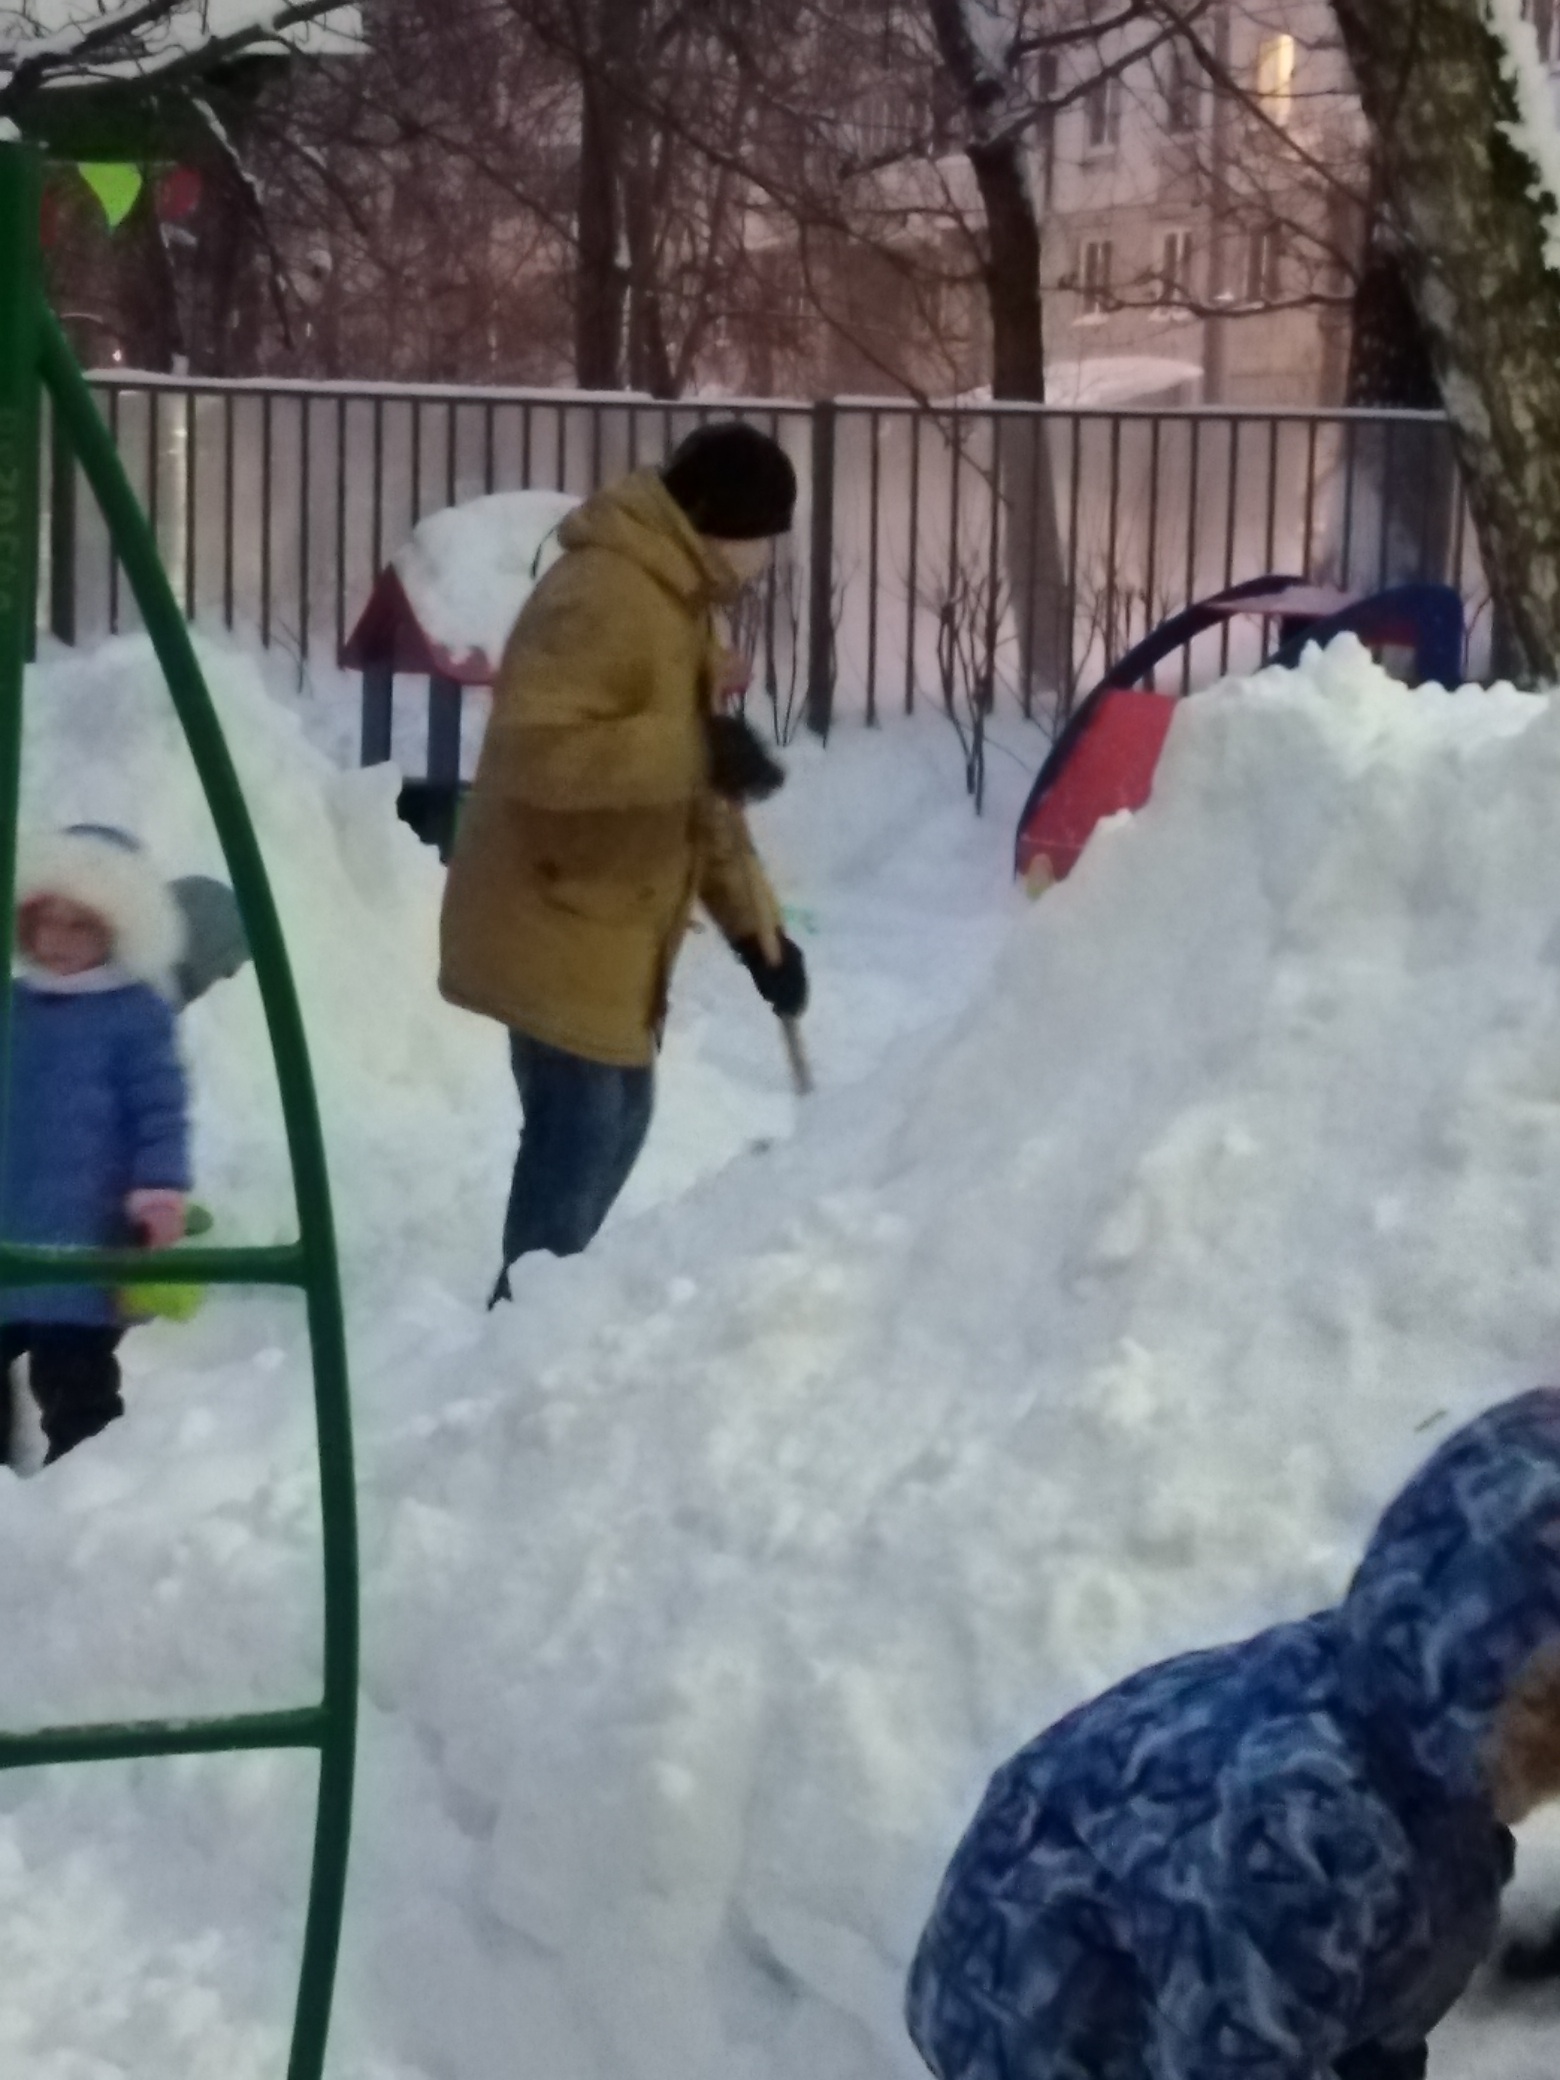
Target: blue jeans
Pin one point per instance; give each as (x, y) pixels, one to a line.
(585, 1124)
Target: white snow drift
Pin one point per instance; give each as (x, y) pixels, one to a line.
(704, 1587)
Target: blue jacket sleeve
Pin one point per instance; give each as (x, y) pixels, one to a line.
(1265, 1968)
(156, 1100)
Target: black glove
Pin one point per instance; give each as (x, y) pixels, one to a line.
(782, 984)
(740, 768)
(1371, 2062)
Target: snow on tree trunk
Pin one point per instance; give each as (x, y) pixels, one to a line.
(1435, 77)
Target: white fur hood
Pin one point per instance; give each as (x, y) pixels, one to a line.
(107, 872)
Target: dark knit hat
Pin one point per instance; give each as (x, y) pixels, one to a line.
(733, 482)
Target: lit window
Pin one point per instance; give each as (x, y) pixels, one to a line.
(1102, 115)
(1095, 271)
(1265, 265)
(1276, 76)
(1175, 270)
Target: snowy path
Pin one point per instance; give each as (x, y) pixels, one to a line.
(1133, 1250)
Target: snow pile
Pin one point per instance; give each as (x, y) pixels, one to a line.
(704, 1587)
(469, 569)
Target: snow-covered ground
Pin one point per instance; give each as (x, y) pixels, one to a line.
(1135, 1245)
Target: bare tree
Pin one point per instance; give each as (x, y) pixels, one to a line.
(1435, 79)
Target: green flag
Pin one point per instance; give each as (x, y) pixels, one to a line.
(116, 187)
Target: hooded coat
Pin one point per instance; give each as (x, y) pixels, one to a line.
(1258, 1860)
(592, 829)
(98, 1104)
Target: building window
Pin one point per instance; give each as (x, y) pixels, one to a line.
(1094, 277)
(1265, 265)
(1102, 115)
(1175, 269)
(1276, 77)
(1183, 94)
(1542, 14)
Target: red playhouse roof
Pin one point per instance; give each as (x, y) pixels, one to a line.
(389, 633)
(1109, 767)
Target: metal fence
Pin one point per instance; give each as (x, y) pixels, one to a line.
(988, 559)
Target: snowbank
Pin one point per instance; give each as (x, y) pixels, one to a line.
(705, 1586)
(469, 569)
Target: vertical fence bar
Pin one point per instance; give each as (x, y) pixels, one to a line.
(341, 524)
(1231, 526)
(874, 492)
(1272, 496)
(62, 534)
(489, 477)
(1194, 471)
(994, 569)
(912, 617)
(377, 525)
(1348, 500)
(955, 513)
(1151, 561)
(451, 437)
(229, 447)
(113, 553)
(153, 466)
(414, 407)
(1384, 531)
(1113, 529)
(820, 613)
(1074, 507)
(305, 500)
(191, 528)
(1039, 477)
(1310, 501)
(265, 520)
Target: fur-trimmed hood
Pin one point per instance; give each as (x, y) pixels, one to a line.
(107, 872)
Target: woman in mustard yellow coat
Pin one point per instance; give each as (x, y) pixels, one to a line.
(607, 803)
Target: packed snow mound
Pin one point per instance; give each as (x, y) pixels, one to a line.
(1106, 1334)
(704, 1588)
(469, 570)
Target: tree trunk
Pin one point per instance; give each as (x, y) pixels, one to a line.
(1405, 474)
(599, 279)
(1429, 75)
(148, 294)
(998, 154)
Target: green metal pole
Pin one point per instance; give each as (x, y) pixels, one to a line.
(21, 299)
(171, 639)
(31, 343)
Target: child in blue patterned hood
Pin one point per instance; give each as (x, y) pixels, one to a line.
(1281, 1860)
(97, 1141)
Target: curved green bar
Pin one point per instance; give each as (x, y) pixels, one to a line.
(32, 347)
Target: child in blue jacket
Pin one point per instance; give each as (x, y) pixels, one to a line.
(97, 1140)
(1281, 1860)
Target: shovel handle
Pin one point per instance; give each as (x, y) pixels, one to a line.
(796, 1054)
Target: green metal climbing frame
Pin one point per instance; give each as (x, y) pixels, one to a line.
(34, 356)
